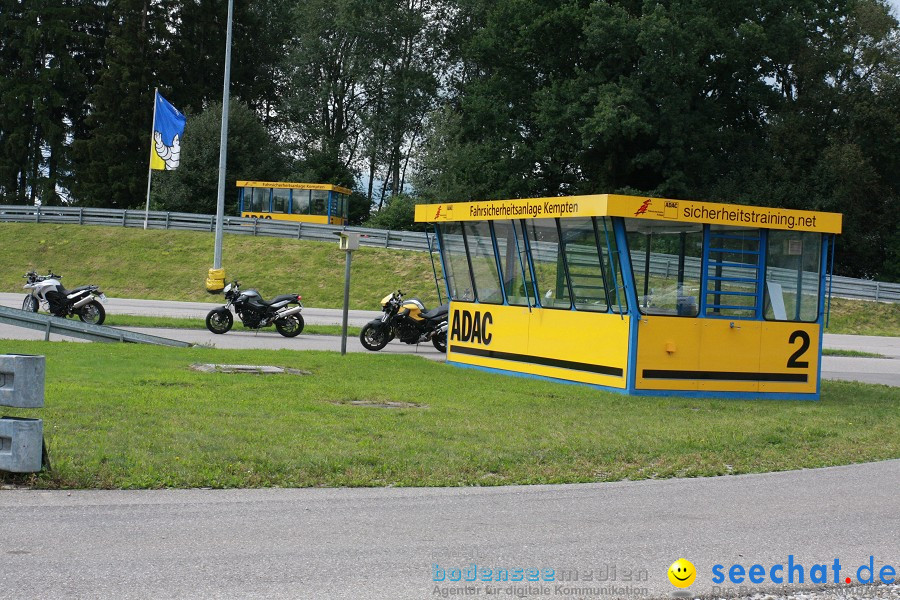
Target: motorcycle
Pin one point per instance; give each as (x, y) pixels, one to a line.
(256, 313)
(407, 319)
(84, 301)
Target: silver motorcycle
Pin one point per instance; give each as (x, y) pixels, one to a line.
(46, 291)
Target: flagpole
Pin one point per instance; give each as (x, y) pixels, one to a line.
(223, 144)
(150, 170)
(215, 279)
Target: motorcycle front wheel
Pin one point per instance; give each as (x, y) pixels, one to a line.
(93, 313)
(290, 326)
(219, 320)
(440, 341)
(30, 304)
(374, 338)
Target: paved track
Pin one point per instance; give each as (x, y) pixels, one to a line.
(868, 370)
(383, 543)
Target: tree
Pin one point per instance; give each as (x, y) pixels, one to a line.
(49, 56)
(112, 158)
(783, 104)
(399, 214)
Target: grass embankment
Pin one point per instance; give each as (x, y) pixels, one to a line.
(134, 416)
(864, 318)
(172, 265)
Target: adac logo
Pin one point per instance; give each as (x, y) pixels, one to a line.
(468, 327)
(643, 209)
(682, 573)
(443, 214)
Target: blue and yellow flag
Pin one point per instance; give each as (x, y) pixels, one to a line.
(168, 127)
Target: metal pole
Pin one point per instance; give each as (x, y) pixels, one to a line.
(150, 170)
(223, 143)
(346, 303)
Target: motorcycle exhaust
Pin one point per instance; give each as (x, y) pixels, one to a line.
(288, 312)
(86, 300)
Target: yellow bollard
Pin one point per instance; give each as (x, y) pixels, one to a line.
(215, 281)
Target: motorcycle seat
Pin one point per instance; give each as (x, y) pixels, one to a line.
(281, 298)
(436, 313)
(78, 289)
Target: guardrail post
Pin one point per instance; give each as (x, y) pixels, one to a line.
(81, 216)
(37, 214)
(212, 223)
(299, 229)
(255, 223)
(877, 290)
(124, 216)
(21, 386)
(167, 219)
(387, 237)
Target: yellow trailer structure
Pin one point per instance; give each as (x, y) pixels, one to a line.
(638, 295)
(286, 201)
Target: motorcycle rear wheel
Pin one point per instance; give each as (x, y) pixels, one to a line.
(219, 320)
(374, 338)
(93, 313)
(290, 326)
(440, 341)
(30, 304)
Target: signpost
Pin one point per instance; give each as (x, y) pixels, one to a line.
(349, 242)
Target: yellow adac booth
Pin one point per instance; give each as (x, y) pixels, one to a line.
(639, 295)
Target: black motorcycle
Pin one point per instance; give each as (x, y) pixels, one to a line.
(83, 302)
(256, 313)
(407, 320)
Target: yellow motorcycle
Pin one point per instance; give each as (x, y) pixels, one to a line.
(408, 320)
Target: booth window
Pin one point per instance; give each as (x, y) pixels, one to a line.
(583, 258)
(259, 199)
(318, 202)
(612, 265)
(549, 270)
(666, 259)
(484, 263)
(453, 248)
(280, 200)
(513, 264)
(732, 272)
(300, 204)
(793, 267)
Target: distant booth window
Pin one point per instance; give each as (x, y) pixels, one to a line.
(639, 295)
(285, 201)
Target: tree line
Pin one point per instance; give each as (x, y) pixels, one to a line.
(786, 103)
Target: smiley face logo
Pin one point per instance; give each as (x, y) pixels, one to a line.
(682, 573)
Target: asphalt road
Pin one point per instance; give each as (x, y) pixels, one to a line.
(384, 543)
(868, 370)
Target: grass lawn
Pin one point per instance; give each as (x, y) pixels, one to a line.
(134, 416)
(850, 353)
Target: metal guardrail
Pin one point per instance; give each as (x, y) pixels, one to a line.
(378, 238)
(87, 331)
(660, 264)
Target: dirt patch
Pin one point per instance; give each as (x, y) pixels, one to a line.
(247, 369)
(380, 403)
